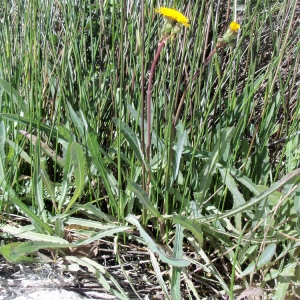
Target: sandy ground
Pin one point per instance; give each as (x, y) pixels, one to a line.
(53, 294)
(45, 295)
(36, 282)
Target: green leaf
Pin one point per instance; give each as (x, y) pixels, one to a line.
(78, 162)
(155, 141)
(297, 200)
(273, 198)
(292, 152)
(133, 141)
(159, 276)
(9, 253)
(18, 150)
(76, 120)
(103, 233)
(182, 141)
(15, 96)
(190, 225)
(269, 119)
(64, 132)
(247, 182)
(44, 147)
(96, 211)
(154, 248)
(284, 281)
(41, 126)
(232, 186)
(209, 168)
(190, 151)
(143, 197)
(100, 273)
(237, 196)
(40, 226)
(7, 250)
(48, 184)
(264, 258)
(38, 186)
(97, 159)
(177, 253)
(291, 177)
(23, 233)
(31, 246)
(2, 151)
(87, 223)
(37, 222)
(67, 173)
(59, 228)
(262, 169)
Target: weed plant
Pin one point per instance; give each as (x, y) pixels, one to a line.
(204, 166)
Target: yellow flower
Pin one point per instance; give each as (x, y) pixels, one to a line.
(234, 26)
(173, 16)
(231, 33)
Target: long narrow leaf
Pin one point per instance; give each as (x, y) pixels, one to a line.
(47, 129)
(38, 185)
(78, 162)
(44, 147)
(153, 247)
(76, 120)
(264, 258)
(100, 274)
(155, 141)
(2, 153)
(194, 227)
(133, 141)
(178, 253)
(255, 200)
(98, 162)
(182, 141)
(159, 275)
(66, 178)
(40, 226)
(48, 184)
(143, 197)
(210, 166)
(103, 233)
(15, 96)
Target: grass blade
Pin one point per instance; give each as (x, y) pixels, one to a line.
(154, 248)
(144, 199)
(100, 273)
(263, 259)
(176, 272)
(133, 141)
(97, 159)
(15, 96)
(78, 162)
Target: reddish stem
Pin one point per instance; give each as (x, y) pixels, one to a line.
(149, 91)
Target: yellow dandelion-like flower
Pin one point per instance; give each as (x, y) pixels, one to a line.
(234, 26)
(173, 16)
(231, 33)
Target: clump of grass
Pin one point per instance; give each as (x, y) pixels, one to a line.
(221, 140)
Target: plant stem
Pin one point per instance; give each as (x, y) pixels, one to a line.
(149, 90)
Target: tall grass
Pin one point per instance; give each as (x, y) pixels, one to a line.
(224, 155)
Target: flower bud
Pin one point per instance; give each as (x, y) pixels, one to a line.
(231, 32)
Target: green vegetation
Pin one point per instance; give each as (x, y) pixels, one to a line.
(211, 185)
